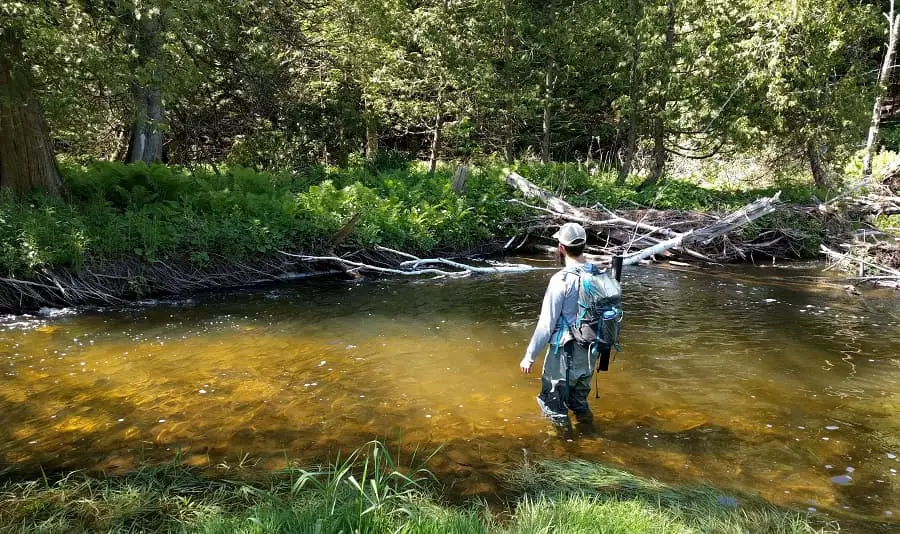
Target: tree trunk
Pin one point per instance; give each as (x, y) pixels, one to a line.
(371, 123)
(436, 137)
(146, 143)
(818, 168)
(371, 137)
(630, 149)
(631, 141)
(459, 179)
(545, 139)
(659, 134)
(435, 145)
(883, 78)
(26, 154)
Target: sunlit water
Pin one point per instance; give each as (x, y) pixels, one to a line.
(760, 380)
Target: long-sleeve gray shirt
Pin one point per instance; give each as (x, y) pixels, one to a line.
(561, 299)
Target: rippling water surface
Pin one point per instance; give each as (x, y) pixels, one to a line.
(760, 380)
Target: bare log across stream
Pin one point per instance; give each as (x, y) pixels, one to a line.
(649, 239)
(413, 265)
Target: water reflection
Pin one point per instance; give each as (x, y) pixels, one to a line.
(760, 381)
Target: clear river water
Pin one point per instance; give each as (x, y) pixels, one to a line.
(771, 381)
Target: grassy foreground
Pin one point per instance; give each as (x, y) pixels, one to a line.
(368, 493)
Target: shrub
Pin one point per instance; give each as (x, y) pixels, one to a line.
(157, 212)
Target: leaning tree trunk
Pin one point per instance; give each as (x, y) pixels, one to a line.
(883, 78)
(659, 133)
(148, 124)
(26, 154)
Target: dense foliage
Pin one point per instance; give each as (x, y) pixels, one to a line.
(279, 86)
(158, 212)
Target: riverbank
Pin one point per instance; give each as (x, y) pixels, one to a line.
(369, 492)
(130, 232)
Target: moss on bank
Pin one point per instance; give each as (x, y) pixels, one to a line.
(368, 493)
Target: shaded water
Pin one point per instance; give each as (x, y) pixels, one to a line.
(756, 380)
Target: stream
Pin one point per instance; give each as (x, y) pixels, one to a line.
(773, 381)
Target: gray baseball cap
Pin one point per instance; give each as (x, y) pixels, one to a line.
(571, 234)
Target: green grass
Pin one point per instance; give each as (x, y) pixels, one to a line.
(649, 505)
(138, 213)
(589, 514)
(368, 492)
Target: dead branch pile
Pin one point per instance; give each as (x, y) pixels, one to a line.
(644, 233)
(871, 250)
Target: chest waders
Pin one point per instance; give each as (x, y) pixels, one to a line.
(569, 355)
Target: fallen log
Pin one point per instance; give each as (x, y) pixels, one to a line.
(749, 213)
(494, 269)
(412, 267)
(594, 219)
(847, 257)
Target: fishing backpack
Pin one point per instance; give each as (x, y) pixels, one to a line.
(599, 308)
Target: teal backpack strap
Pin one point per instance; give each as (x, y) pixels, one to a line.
(563, 325)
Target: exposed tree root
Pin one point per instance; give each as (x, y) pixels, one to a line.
(110, 283)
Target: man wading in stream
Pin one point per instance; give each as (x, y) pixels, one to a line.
(582, 303)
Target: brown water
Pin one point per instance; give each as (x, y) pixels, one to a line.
(759, 380)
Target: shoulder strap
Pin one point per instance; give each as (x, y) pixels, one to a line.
(571, 270)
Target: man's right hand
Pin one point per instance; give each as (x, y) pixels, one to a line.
(525, 365)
